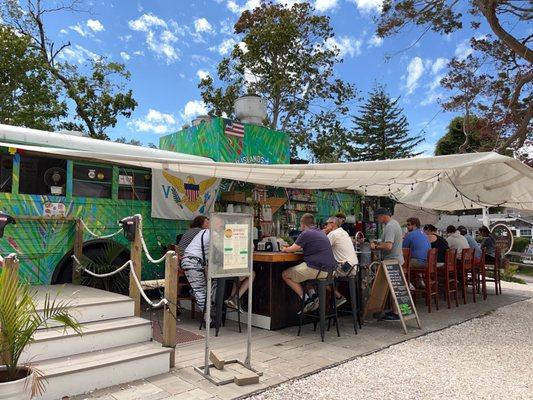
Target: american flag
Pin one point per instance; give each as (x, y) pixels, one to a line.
(234, 129)
(192, 191)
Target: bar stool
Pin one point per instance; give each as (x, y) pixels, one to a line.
(184, 289)
(355, 306)
(321, 285)
(481, 274)
(466, 273)
(449, 275)
(220, 307)
(495, 270)
(430, 278)
(407, 268)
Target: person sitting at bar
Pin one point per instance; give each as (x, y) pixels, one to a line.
(194, 245)
(456, 241)
(437, 242)
(343, 250)
(318, 260)
(471, 242)
(417, 242)
(489, 243)
(391, 247)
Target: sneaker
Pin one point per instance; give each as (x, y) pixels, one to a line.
(339, 301)
(421, 284)
(391, 317)
(230, 303)
(311, 304)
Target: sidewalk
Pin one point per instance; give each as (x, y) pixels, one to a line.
(282, 356)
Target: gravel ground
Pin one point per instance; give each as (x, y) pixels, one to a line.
(485, 358)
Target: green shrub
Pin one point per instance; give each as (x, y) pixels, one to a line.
(520, 244)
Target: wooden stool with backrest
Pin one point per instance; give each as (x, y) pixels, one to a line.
(481, 274)
(407, 268)
(449, 276)
(495, 270)
(430, 278)
(466, 273)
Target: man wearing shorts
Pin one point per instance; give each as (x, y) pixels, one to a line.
(318, 260)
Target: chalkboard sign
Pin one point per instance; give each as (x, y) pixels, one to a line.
(400, 288)
(390, 279)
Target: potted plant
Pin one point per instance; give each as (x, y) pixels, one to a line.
(19, 319)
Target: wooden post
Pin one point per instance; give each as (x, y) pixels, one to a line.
(78, 250)
(171, 294)
(136, 258)
(11, 269)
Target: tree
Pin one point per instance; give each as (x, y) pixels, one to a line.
(133, 142)
(500, 93)
(28, 93)
(97, 97)
(478, 139)
(381, 130)
(286, 55)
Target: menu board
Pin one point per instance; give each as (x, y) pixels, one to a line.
(391, 280)
(236, 246)
(400, 288)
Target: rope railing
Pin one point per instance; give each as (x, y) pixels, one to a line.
(98, 236)
(143, 243)
(129, 264)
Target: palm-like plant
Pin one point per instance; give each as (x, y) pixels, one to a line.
(19, 319)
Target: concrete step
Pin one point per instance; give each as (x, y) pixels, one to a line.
(82, 373)
(86, 304)
(57, 342)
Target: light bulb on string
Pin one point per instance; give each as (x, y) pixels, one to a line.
(456, 194)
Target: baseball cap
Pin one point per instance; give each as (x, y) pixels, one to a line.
(382, 211)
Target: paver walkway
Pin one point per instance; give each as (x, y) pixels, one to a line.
(282, 356)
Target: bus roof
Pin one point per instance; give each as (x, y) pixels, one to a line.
(19, 135)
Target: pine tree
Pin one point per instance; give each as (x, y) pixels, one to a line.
(381, 130)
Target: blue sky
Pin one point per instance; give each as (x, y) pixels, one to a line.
(167, 45)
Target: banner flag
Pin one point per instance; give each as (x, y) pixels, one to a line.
(182, 196)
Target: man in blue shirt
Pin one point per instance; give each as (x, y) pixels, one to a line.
(418, 242)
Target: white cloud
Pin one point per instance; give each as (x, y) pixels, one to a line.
(125, 38)
(125, 56)
(138, 53)
(439, 64)
(88, 29)
(154, 121)
(193, 108)
(202, 25)
(95, 25)
(225, 47)
(375, 41)
(160, 37)
(368, 6)
(202, 74)
(463, 49)
(346, 45)
(78, 54)
(234, 7)
(63, 31)
(325, 5)
(415, 69)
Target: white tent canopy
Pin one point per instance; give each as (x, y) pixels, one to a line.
(452, 182)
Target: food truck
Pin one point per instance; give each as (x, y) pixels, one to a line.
(46, 194)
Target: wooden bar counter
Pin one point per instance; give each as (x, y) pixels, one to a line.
(275, 305)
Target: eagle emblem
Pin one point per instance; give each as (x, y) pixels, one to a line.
(189, 192)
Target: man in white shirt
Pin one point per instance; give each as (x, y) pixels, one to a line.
(456, 240)
(343, 249)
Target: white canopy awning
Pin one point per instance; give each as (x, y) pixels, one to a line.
(453, 182)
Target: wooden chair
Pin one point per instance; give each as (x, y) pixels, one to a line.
(184, 289)
(481, 274)
(495, 270)
(407, 268)
(466, 273)
(430, 278)
(449, 276)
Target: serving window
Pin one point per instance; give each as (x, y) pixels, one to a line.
(91, 180)
(134, 184)
(42, 176)
(6, 172)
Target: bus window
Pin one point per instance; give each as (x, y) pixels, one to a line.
(134, 184)
(41, 175)
(92, 181)
(6, 172)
